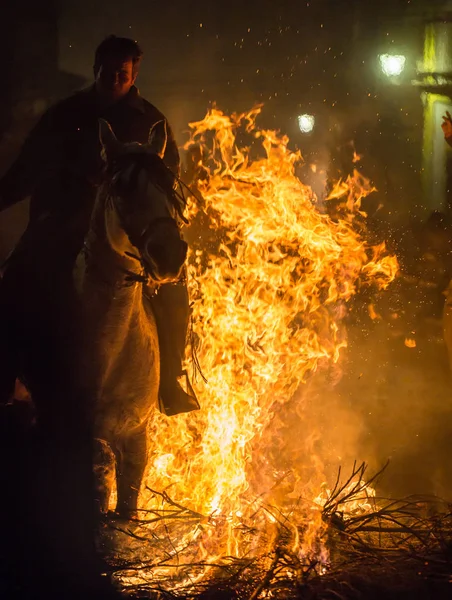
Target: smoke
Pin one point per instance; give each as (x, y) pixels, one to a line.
(383, 401)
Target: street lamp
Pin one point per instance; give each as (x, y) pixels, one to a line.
(392, 65)
(306, 123)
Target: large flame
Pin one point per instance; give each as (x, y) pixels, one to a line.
(269, 291)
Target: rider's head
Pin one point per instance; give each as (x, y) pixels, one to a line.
(116, 65)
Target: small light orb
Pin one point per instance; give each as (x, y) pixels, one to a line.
(306, 123)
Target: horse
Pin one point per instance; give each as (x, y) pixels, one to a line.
(133, 246)
(78, 329)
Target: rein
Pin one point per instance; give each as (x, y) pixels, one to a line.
(130, 277)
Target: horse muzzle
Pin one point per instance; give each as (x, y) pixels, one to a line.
(164, 252)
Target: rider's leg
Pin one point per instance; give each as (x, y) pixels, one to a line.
(172, 312)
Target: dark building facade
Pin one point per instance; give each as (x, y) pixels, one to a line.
(31, 81)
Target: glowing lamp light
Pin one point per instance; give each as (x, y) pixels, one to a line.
(306, 123)
(392, 65)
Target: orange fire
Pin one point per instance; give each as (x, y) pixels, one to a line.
(269, 293)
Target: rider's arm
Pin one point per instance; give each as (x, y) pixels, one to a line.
(171, 157)
(36, 158)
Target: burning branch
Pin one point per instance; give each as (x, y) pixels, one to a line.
(391, 536)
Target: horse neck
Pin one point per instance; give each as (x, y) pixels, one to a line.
(114, 316)
(103, 265)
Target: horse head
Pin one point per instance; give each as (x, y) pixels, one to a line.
(142, 204)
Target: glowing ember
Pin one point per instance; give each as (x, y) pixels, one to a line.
(269, 294)
(373, 313)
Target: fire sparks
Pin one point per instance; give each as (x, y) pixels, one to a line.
(270, 281)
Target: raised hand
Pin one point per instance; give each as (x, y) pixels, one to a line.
(446, 125)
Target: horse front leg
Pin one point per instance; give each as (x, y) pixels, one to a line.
(132, 459)
(104, 463)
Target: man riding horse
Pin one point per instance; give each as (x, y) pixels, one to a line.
(61, 160)
(50, 335)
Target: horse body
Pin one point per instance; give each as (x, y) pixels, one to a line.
(120, 359)
(132, 225)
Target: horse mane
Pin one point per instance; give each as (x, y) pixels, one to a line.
(139, 158)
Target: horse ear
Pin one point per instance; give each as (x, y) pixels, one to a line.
(158, 138)
(110, 143)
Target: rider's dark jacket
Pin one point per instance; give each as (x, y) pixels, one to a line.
(60, 163)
